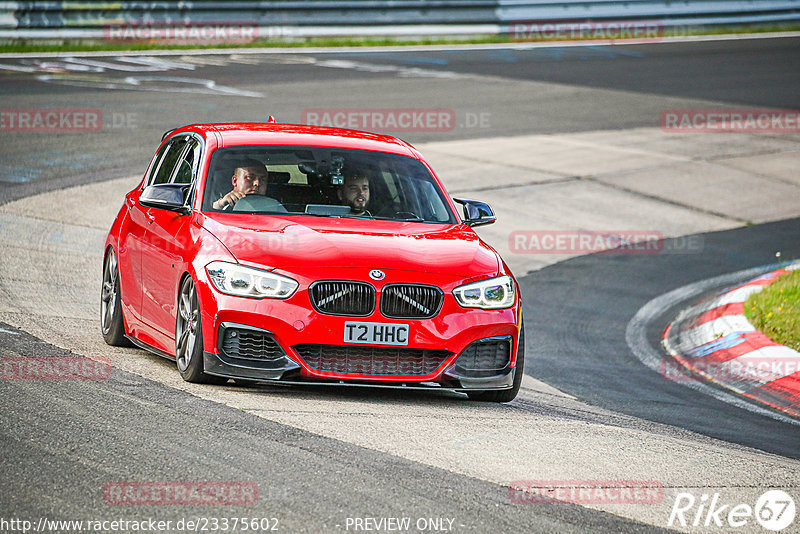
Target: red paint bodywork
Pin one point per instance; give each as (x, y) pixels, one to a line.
(157, 248)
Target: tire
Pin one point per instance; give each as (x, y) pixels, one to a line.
(506, 395)
(112, 324)
(189, 337)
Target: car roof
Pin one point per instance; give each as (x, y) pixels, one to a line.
(259, 133)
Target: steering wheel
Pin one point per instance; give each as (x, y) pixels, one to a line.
(258, 203)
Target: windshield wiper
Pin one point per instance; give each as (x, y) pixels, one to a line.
(416, 218)
(304, 214)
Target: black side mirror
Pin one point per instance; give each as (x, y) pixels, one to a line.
(170, 197)
(476, 213)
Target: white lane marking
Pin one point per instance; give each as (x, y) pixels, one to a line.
(80, 64)
(19, 68)
(4, 331)
(102, 66)
(214, 61)
(40, 65)
(636, 336)
(246, 60)
(69, 64)
(403, 72)
(132, 64)
(61, 73)
(164, 64)
(412, 48)
(167, 84)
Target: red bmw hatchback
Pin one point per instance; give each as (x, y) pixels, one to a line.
(297, 254)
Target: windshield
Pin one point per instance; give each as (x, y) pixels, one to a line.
(323, 182)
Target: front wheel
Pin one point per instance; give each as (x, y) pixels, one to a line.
(506, 395)
(189, 337)
(112, 324)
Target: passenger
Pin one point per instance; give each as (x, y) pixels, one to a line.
(355, 192)
(249, 178)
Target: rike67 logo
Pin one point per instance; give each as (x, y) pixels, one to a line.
(774, 510)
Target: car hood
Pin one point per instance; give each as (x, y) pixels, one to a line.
(286, 242)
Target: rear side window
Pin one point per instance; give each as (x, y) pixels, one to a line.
(188, 163)
(168, 161)
(156, 163)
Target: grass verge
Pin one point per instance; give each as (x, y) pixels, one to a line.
(776, 310)
(98, 45)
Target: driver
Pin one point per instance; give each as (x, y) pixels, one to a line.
(355, 192)
(249, 178)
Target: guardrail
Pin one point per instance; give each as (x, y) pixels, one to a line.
(298, 18)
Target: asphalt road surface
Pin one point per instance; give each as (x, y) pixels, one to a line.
(64, 441)
(582, 349)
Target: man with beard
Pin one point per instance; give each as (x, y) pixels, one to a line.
(355, 192)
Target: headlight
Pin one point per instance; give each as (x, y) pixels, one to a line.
(241, 281)
(491, 294)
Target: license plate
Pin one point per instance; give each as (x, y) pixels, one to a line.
(376, 333)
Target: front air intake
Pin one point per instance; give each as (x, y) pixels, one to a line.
(250, 344)
(410, 301)
(343, 298)
(389, 361)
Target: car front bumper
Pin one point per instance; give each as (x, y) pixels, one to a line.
(455, 335)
